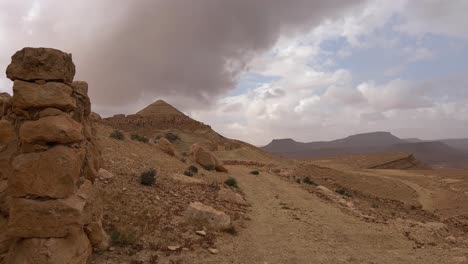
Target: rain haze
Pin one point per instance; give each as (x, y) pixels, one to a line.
(257, 70)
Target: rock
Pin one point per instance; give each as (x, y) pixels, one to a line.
(173, 248)
(231, 197)
(7, 132)
(213, 250)
(203, 215)
(201, 233)
(94, 117)
(44, 219)
(206, 158)
(4, 100)
(324, 190)
(104, 174)
(81, 91)
(73, 249)
(53, 173)
(52, 129)
(30, 64)
(4, 199)
(97, 236)
(50, 112)
(186, 179)
(451, 239)
(53, 94)
(5, 240)
(166, 146)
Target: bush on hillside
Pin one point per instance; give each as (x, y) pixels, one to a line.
(344, 192)
(231, 182)
(255, 172)
(188, 173)
(140, 138)
(148, 177)
(193, 169)
(307, 180)
(171, 137)
(117, 134)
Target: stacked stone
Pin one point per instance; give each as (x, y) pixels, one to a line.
(50, 160)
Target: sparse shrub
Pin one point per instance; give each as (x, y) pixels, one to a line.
(214, 186)
(171, 137)
(148, 177)
(231, 230)
(209, 167)
(255, 172)
(375, 205)
(140, 138)
(184, 160)
(344, 192)
(193, 169)
(298, 180)
(188, 173)
(307, 180)
(231, 182)
(117, 134)
(123, 238)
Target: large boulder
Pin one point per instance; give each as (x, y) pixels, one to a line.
(166, 146)
(7, 132)
(52, 129)
(202, 215)
(206, 158)
(4, 99)
(52, 94)
(230, 197)
(53, 173)
(44, 219)
(31, 64)
(73, 249)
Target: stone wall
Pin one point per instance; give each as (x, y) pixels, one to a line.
(49, 159)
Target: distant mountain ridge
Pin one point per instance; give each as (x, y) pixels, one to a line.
(444, 151)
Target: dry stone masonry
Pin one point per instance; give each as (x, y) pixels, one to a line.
(49, 160)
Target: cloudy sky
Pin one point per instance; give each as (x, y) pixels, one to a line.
(262, 69)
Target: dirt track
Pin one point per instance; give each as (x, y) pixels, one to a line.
(290, 225)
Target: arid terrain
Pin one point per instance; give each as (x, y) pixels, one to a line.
(160, 187)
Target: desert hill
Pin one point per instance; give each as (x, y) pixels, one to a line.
(427, 151)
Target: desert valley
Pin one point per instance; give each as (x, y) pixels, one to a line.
(160, 187)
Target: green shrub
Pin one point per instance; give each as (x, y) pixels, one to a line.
(140, 138)
(231, 182)
(209, 167)
(188, 173)
(307, 180)
(117, 134)
(193, 169)
(255, 172)
(148, 177)
(123, 238)
(171, 137)
(344, 192)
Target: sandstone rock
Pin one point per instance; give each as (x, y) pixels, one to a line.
(92, 211)
(94, 116)
(5, 240)
(50, 112)
(73, 249)
(81, 92)
(201, 232)
(4, 199)
(105, 175)
(206, 159)
(29, 96)
(213, 250)
(51, 129)
(5, 160)
(4, 100)
(7, 132)
(31, 64)
(173, 248)
(203, 215)
(97, 236)
(44, 219)
(231, 197)
(52, 173)
(186, 179)
(166, 146)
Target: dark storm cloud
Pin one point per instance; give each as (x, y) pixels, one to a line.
(135, 51)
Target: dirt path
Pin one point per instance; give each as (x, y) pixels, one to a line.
(424, 195)
(290, 225)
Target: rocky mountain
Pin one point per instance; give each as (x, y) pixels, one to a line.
(426, 151)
